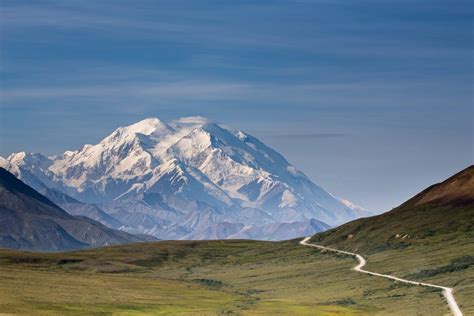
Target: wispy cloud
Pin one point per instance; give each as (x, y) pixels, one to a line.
(305, 136)
(304, 95)
(177, 90)
(38, 16)
(268, 26)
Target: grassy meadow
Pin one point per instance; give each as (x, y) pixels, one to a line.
(446, 260)
(231, 277)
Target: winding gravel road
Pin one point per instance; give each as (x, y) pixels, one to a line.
(447, 291)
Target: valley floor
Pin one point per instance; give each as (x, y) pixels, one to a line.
(206, 278)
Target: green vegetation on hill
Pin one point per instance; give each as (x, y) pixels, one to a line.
(429, 238)
(401, 228)
(201, 277)
(444, 208)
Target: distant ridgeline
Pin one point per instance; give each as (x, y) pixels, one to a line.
(30, 221)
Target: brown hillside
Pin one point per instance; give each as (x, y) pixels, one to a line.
(446, 208)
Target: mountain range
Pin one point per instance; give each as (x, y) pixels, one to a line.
(186, 179)
(30, 221)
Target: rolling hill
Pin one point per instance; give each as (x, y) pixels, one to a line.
(429, 238)
(446, 208)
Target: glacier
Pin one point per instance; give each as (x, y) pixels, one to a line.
(190, 178)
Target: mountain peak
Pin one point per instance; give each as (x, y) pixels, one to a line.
(147, 126)
(7, 165)
(192, 165)
(22, 158)
(17, 157)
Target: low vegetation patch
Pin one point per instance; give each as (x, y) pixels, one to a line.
(151, 261)
(342, 302)
(214, 284)
(25, 260)
(460, 263)
(61, 262)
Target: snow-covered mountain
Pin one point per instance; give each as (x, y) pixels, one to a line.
(183, 179)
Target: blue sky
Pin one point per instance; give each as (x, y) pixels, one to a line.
(373, 100)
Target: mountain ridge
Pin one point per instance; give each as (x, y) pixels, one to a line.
(30, 221)
(457, 189)
(190, 165)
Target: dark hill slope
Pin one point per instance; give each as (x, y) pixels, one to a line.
(30, 221)
(444, 208)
